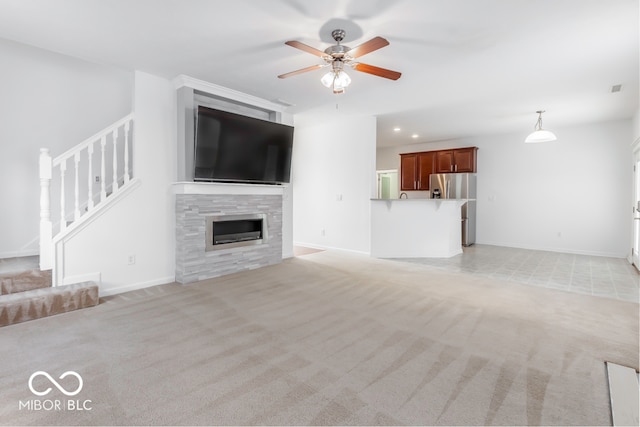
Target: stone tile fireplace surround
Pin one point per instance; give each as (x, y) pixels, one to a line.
(196, 201)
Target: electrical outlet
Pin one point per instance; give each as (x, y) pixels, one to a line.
(97, 179)
(131, 259)
(323, 232)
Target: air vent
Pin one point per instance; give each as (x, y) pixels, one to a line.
(616, 88)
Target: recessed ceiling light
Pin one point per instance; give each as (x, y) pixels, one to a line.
(396, 129)
(414, 136)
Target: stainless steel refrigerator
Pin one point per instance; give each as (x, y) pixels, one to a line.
(458, 186)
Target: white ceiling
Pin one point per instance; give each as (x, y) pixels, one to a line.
(470, 67)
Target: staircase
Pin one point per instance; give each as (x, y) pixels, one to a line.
(100, 174)
(28, 295)
(76, 188)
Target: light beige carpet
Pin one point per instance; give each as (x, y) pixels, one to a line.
(49, 301)
(11, 283)
(326, 339)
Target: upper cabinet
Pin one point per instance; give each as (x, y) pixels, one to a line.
(408, 172)
(426, 164)
(415, 168)
(458, 160)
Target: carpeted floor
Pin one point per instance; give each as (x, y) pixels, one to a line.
(328, 339)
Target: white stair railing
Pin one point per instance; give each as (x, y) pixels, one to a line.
(114, 160)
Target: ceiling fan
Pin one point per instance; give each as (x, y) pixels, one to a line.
(337, 56)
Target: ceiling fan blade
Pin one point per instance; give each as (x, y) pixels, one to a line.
(368, 47)
(303, 70)
(306, 48)
(377, 71)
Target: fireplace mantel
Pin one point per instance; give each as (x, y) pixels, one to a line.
(226, 188)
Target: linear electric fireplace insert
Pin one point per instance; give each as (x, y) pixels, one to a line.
(229, 231)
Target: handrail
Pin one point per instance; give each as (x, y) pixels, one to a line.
(84, 144)
(119, 137)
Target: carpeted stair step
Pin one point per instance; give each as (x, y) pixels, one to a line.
(24, 281)
(38, 303)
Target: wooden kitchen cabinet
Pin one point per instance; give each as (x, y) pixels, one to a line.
(444, 161)
(415, 168)
(408, 172)
(425, 168)
(457, 160)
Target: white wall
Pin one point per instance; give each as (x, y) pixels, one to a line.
(142, 224)
(568, 196)
(46, 100)
(55, 101)
(287, 206)
(333, 158)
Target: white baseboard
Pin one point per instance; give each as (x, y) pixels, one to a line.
(20, 253)
(136, 286)
(331, 248)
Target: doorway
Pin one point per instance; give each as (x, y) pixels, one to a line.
(635, 254)
(387, 184)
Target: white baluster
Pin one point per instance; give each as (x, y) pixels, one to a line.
(126, 151)
(63, 219)
(46, 228)
(103, 189)
(115, 161)
(90, 177)
(76, 188)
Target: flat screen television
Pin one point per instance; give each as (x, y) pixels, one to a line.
(234, 148)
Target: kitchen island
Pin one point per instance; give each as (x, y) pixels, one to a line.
(416, 228)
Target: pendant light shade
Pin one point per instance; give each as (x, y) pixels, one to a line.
(539, 134)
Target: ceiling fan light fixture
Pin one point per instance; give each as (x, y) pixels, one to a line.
(342, 80)
(327, 79)
(539, 134)
(337, 80)
(337, 56)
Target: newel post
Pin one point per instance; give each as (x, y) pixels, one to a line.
(46, 229)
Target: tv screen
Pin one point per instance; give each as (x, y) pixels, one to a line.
(234, 148)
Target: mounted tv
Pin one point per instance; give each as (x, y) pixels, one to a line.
(234, 148)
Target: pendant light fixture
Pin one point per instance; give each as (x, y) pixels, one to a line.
(539, 134)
